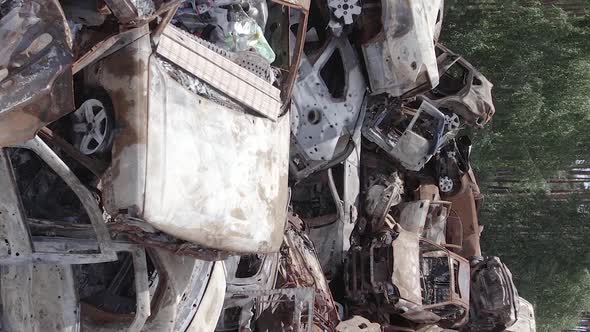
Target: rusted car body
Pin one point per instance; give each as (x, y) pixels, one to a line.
(465, 208)
(148, 177)
(462, 90)
(187, 165)
(494, 301)
(300, 299)
(174, 297)
(413, 144)
(418, 280)
(127, 73)
(151, 115)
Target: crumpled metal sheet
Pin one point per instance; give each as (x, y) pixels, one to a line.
(402, 58)
(473, 102)
(411, 148)
(406, 266)
(35, 69)
(302, 269)
(322, 123)
(494, 299)
(212, 171)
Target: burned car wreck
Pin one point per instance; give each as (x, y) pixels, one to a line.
(252, 165)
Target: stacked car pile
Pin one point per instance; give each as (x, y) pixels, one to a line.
(240, 165)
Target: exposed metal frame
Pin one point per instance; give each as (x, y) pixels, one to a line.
(142, 292)
(22, 248)
(97, 314)
(454, 298)
(411, 149)
(302, 297)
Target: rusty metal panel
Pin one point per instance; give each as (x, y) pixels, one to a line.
(20, 248)
(35, 69)
(463, 206)
(83, 194)
(222, 73)
(124, 75)
(108, 46)
(15, 239)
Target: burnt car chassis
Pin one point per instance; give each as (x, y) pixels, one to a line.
(149, 173)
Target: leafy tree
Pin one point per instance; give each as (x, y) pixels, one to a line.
(538, 57)
(545, 244)
(539, 61)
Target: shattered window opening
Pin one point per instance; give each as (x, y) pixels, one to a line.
(249, 266)
(452, 81)
(44, 194)
(436, 278)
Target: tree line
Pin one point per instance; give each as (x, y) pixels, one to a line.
(533, 160)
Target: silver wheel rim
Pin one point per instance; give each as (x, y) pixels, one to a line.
(91, 126)
(345, 9)
(452, 121)
(445, 184)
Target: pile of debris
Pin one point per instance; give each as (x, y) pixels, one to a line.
(241, 165)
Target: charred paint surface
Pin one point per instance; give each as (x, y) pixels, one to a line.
(35, 62)
(215, 176)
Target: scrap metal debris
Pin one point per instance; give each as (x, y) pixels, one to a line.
(242, 165)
